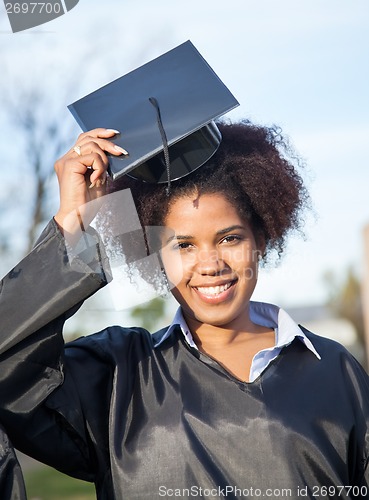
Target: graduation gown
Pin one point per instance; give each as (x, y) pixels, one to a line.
(145, 422)
(11, 478)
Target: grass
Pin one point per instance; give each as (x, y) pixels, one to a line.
(44, 483)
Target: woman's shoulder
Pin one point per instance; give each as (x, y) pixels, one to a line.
(337, 358)
(324, 345)
(113, 342)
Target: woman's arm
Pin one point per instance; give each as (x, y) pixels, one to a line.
(35, 299)
(38, 295)
(45, 284)
(11, 479)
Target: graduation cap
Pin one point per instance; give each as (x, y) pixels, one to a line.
(165, 112)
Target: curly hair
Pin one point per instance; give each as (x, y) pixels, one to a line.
(257, 171)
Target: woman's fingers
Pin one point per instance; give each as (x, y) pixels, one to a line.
(99, 146)
(91, 147)
(87, 141)
(99, 132)
(95, 165)
(91, 151)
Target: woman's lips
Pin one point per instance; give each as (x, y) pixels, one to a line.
(215, 294)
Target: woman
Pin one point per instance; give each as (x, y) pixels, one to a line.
(233, 399)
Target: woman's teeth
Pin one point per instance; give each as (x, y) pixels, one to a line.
(213, 290)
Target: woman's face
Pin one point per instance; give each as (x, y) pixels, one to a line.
(211, 259)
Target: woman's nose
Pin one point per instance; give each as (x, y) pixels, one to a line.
(209, 262)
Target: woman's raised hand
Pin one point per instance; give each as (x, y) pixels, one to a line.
(82, 174)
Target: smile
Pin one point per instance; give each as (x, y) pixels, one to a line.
(215, 294)
(214, 290)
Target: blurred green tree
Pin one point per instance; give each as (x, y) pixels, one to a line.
(345, 299)
(148, 315)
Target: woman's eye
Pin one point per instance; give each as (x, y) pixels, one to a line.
(182, 246)
(232, 238)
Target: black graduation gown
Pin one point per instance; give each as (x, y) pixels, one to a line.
(11, 478)
(144, 422)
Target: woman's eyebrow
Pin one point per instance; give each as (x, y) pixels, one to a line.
(179, 237)
(229, 229)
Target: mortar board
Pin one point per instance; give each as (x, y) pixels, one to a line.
(164, 111)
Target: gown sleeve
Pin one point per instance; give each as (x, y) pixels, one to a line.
(11, 479)
(36, 298)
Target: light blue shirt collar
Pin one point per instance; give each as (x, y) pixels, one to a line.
(261, 313)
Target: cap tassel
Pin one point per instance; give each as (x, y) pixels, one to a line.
(164, 139)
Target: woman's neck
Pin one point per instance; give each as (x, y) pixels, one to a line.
(210, 337)
(233, 346)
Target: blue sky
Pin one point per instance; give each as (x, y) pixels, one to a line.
(302, 65)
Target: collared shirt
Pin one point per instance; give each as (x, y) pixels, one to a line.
(268, 315)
